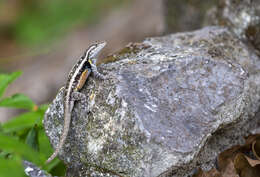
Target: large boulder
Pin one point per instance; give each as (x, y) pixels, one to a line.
(170, 104)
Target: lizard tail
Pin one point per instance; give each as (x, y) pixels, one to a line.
(67, 118)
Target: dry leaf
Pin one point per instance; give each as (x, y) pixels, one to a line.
(227, 155)
(256, 148)
(211, 173)
(243, 168)
(250, 139)
(233, 162)
(252, 162)
(230, 170)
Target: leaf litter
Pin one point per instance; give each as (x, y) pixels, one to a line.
(237, 161)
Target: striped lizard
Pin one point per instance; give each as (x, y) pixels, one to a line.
(76, 79)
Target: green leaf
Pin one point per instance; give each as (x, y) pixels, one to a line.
(46, 148)
(11, 167)
(43, 108)
(53, 164)
(32, 138)
(13, 145)
(44, 143)
(6, 79)
(1, 128)
(59, 169)
(18, 101)
(4, 154)
(26, 120)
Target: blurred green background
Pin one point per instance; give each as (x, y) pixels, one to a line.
(36, 21)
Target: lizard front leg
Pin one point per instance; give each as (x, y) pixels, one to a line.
(95, 71)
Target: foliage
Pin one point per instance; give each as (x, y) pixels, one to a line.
(23, 137)
(44, 21)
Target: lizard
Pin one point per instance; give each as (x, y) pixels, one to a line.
(76, 79)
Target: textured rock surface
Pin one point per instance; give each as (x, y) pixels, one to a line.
(169, 104)
(242, 17)
(32, 170)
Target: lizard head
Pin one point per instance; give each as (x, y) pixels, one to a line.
(93, 50)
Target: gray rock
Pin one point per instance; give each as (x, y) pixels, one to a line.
(33, 171)
(169, 104)
(240, 16)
